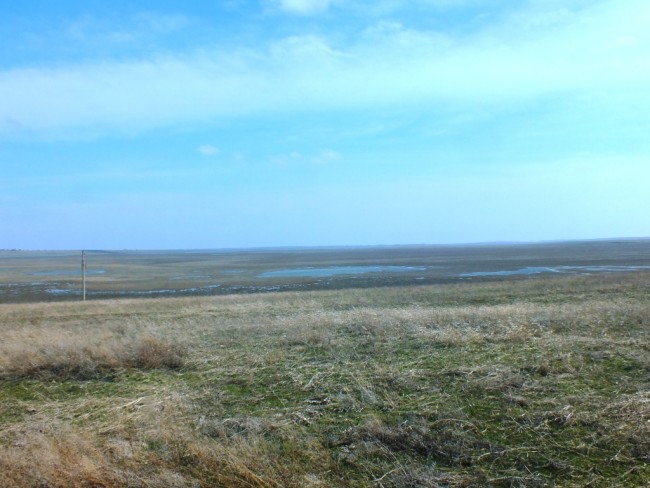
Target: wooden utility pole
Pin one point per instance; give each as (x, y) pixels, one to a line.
(83, 274)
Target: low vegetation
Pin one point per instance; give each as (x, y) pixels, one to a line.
(543, 382)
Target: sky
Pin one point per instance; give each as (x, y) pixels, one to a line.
(271, 123)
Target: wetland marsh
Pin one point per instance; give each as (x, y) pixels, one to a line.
(31, 276)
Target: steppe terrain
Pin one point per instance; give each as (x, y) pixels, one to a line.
(486, 380)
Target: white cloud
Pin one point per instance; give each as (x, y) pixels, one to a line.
(303, 7)
(600, 51)
(208, 150)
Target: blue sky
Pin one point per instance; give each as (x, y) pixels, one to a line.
(160, 124)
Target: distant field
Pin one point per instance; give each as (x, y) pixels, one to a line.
(56, 276)
(511, 383)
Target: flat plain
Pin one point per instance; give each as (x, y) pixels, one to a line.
(468, 377)
(36, 276)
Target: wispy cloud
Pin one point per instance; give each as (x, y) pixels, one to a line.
(156, 22)
(208, 150)
(296, 157)
(598, 50)
(325, 157)
(96, 35)
(303, 7)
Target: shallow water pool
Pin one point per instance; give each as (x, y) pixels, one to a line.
(533, 270)
(67, 272)
(337, 270)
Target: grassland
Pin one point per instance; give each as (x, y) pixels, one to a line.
(539, 382)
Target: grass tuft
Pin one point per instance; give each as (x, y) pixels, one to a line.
(85, 353)
(152, 352)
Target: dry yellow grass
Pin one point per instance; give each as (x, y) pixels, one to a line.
(530, 384)
(67, 344)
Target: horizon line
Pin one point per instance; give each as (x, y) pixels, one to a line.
(332, 246)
